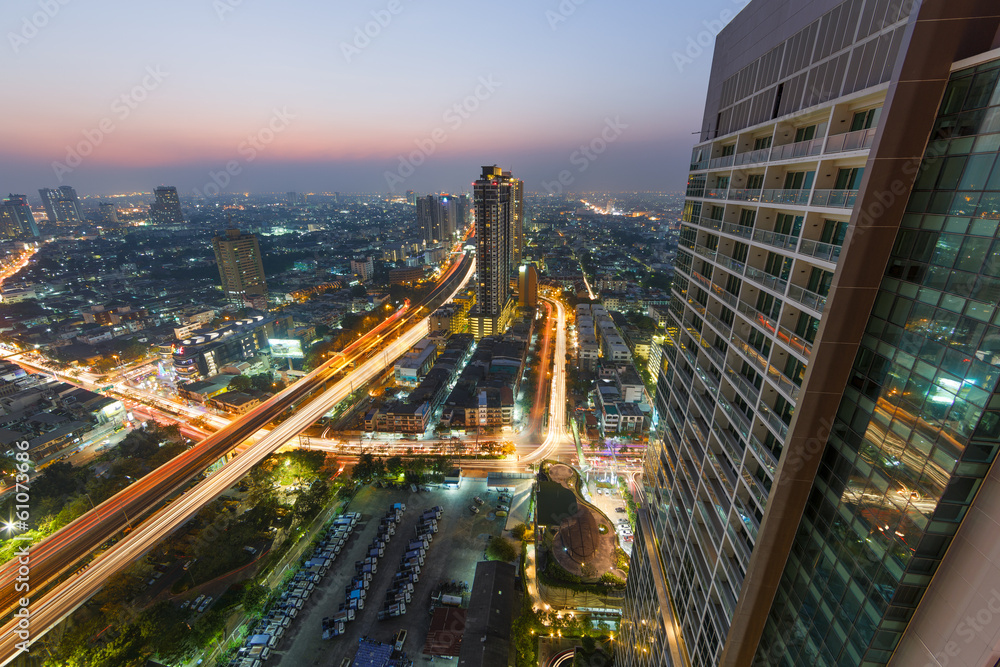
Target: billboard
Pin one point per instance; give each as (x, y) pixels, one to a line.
(289, 349)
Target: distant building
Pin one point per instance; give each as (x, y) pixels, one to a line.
(61, 204)
(411, 197)
(437, 216)
(292, 197)
(107, 213)
(16, 219)
(241, 269)
(527, 286)
(363, 268)
(166, 210)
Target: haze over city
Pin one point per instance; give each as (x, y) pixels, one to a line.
(355, 102)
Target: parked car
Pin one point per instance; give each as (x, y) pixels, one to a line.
(473, 509)
(204, 605)
(478, 500)
(620, 510)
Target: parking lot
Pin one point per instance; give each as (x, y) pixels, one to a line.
(456, 548)
(609, 501)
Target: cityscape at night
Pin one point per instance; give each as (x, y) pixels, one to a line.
(545, 334)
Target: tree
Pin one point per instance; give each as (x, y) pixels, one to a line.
(368, 468)
(394, 466)
(500, 549)
(240, 383)
(519, 531)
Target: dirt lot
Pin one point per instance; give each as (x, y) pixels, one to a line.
(458, 545)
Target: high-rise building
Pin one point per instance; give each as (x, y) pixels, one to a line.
(493, 194)
(166, 210)
(411, 197)
(517, 213)
(241, 268)
(527, 286)
(363, 268)
(107, 213)
(820, 488)
(437, 216)
(16, 218)
(61, 204)
(291, 198)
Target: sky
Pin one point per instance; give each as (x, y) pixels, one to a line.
(361, 96)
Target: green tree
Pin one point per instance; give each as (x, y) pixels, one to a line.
(519, 531)
(394, 466)
(240, 383)
(500, 549)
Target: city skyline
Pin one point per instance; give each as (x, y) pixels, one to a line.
(313, 115)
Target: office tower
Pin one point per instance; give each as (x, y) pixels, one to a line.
(827, 399)
(241, 268)
(16, 219)
(61, 204)
(291, 198)
(411, 197)
(494, 238)
(517, 212)
(166, 210)
(437, 217)
(107, 213)
(527, 286)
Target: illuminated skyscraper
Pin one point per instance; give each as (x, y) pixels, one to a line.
(166, 210)
(61, 205)
(821, 488)
(493, 194)
(241, 269)
(437, 216)
(16, 219)
(517, 214)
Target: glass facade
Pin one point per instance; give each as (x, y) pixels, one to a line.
(917, 428)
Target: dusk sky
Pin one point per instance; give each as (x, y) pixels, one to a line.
(169, 93)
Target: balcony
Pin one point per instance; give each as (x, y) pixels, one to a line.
(763, 454)
(747, 517)
(737, 194)
(726, 475)
(767, 280)
(721, 327)
(736, 417)
(787, 387)
(749, 393)
(835, 198)
(756, 489)
(721, 162)
(798, 149)
(731, 264)
(705, 251)
(771, 418)
(783, 241)
(716, 193)
(753, 157)
(732, 446)
(796, 343)
(799, 197)
(851, 141)
(808, 299)
(709, 223)
(743, 231)
(824, 251)
(755, 316)
(687, 243)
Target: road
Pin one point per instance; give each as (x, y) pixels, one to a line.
(56, 554)
(557, 439)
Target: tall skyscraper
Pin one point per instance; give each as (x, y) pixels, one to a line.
(16, 218)
(517, 212)
(166, 210)
(527, 286)
(241, 268)
(437, 216)
(828, 396)
(61, 205)
(493, 194)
